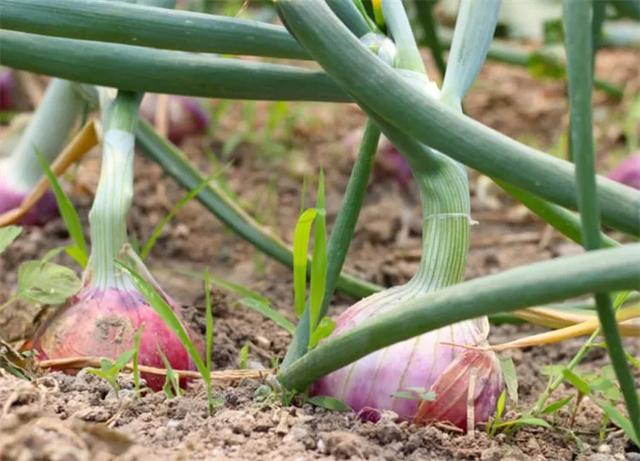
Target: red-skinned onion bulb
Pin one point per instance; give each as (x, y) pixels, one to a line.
(436, 362)
(103, 322)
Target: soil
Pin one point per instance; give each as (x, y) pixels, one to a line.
(62, 417)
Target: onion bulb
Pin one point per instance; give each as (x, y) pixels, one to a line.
(436, 362)
(102, 323)
(186, 116)
(628, 172)
(102, 320)
(12, 195)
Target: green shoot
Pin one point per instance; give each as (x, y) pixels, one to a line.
(319, 259)
(510, 378)
(301, 237)
(78, 251)
(212, 402)
(171, 385)
(323, 330)
(135, 360)
(492, 426)
(243, 356)
(110, 370)
(601, 388)
(155, 234)
(209, 323)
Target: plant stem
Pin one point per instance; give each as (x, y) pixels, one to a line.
(148, 26)
(577, 22)
(475, 25)
(407, 53)
(424, 9)
(341, 235)
(539, 283)
(47, 133)
(135, 68)
(108, 215)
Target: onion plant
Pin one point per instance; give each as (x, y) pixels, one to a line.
(420, 348)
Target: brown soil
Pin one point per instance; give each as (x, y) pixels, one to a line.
(61, 417)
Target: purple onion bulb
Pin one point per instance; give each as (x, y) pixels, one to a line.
(11, 196)
(187, 117)
(628, 172)
(437, 361)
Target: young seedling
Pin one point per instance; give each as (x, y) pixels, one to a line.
(110, 370)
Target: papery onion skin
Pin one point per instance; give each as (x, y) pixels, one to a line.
(416, 363)
(102, 323)
(453, 387)
(628, 172)
(45, 209)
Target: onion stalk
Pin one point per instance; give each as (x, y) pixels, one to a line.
(102, 319)
(21, 171)
(443, 375)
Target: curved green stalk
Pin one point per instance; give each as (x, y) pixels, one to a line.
(132, 24)
(539, 283)
(577, 20)
(472, 37)
(341, 235)
(173, 162)
(407, 53)
(357, 70)
(134, 68)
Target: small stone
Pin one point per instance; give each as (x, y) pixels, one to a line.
(604, 448)
(263, 342)
(173, 424)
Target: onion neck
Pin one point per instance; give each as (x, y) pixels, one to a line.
(108, 215)
(60, 105)
(444, 193)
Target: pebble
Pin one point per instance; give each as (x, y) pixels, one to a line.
(604, 448)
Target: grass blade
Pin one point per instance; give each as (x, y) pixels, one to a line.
(162, 308)
(149, 244)
(318, 261)
(69, 214)
(301, 236)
